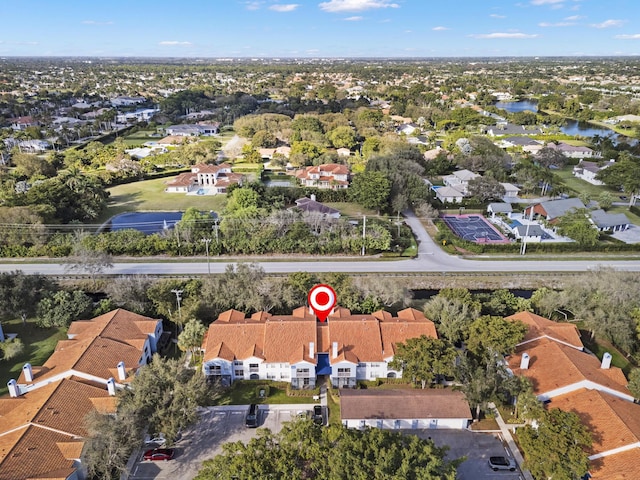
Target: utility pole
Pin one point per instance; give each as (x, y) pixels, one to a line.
(206, 242)
(178, 298)
(364, 231)
(215, 229)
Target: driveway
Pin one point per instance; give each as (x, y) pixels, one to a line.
(476, 447)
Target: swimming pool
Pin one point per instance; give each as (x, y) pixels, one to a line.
(145, 222)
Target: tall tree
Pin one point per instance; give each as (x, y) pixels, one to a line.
(190, 339)
(492, 335)
(20, 293)
(424, 359)
(557, 447)
(62, 307)
(371, 190)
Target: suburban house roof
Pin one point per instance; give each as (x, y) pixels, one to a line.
(553, 366)
(500, 207)
(556, 208)
(521, 141)
(446, 192)
(613, 422)
(621, 466)
(529, 230)
(41, 431)
(309, 205)
(464, 175)
(96, 346)
(286, 338)
(603, 219)
(403, 404)
(566, 148)
(540, 327)
(208, 168)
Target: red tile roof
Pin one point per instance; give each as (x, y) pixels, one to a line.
(621, 466)
(540, 327)
(553, 365)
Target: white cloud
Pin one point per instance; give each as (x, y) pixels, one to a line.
(174, 42)
(504, 35)
(608, 24)
(574, 18)
(355, 5)
(546, 2)
(93, 22)
(633, 36)
(557, 24)
(353, 19)
(495, 15)
(253, 5)
(290, 7)
(439, 28)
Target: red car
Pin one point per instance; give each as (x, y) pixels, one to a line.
(159, 454)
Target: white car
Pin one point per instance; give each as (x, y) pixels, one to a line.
(156, 439)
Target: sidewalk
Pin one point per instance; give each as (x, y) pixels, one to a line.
(506, 434)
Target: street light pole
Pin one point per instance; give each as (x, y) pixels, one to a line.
(178, 298)
(206, 242)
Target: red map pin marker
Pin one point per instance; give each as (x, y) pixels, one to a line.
(322, 299)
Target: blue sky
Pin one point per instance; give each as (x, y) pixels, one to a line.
(316, 28)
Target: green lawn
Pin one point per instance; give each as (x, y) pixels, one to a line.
(149, 195)
(244, 393)
(39, 344)
(635, 219)
(581, 186)
(349, 209)
(599, 347)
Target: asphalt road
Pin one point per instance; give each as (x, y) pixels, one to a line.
(430, 258)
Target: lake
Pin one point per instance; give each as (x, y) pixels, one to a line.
(145, 222)
(585, 129)
(519, 106)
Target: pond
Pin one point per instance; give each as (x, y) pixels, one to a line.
(519, 106)
(145, 222)
(585, 129)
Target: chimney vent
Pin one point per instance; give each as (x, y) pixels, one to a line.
(524, 362)
(14, 389)
(28, 372)
(606, 361)
(122, 372)
(312, 350)
(111, 386)
(335, 349)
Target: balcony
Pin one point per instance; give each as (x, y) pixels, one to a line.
(344, 374)
(254, 370)
(302, 374)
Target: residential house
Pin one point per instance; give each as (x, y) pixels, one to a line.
(205, 178)
(407, 129)
(622, 466)
(124, 101)
(588, 171)
(449, 194)
(329, 175)
(173, 140)
(297, 348)
(111, 346)
(42, 432)
(404, 409)
(573, 151)
(310, 205)
(343, 152)
(557, 369)
(22, 123)
(143, 152)
(505, 128)
(528, 233)
(553, 209)
(510, 191)
(498, 207)
(34, 146)
(142, 115)
(609, 222)
(460, 180)
(519, 141)
(540, 328)
(193, 130)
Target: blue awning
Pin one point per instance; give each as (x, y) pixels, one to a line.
(323, 367)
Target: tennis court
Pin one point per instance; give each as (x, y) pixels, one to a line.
(474, 228)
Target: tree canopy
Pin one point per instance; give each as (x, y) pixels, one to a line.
(304, 450)
(424, 359)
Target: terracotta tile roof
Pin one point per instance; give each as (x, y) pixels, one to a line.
(553, 365)
(36, 455)
(543, 327)
(99, 345)
(172, 140)
(286, 338)
(621, 466)
(613, 422)
(183, 180)
(289, 341)
(60, 405)
(403, 404)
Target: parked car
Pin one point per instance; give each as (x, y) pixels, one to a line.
(251, 420)
(318, 414)
(501, 463)
(159, 454)
(156, 439)
(624, 197)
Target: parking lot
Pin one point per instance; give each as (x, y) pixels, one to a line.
(219, 425)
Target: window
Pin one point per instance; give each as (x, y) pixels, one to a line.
(271, 376)
(215, 369)
(238, 363)
(305, 381)
(344, 372)
(239, 373)
(362, 365)
(253, 367)
(303, 370)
